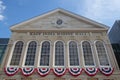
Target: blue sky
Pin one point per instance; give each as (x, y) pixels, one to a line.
(16, 11)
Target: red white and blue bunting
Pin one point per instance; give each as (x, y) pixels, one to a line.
(26, 71)
(91, 71)
(59, 71)
(75, 71)
(43, 71)
(106, 70)
(10, 71)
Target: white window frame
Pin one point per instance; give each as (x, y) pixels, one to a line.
(92, 54)
(69, 53)
(105, 51)
(39, 54)
(54, 54)
(11, 54)
(25, 53)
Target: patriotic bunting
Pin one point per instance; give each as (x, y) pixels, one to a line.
(91, 71)
(43, 71)
(27, 71)
(75, 71)
(106, 70)
(59, 71)
(10, 71)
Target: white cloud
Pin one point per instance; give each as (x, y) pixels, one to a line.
(102, 10)
(2, 8)
(1, 17)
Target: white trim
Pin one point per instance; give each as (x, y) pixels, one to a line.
(54, 54)
(83, 54)
(25, 53)
(39, 54)
(11, 53)
(105, 53)
(68, 53)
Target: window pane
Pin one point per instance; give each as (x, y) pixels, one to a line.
(73, 54)
(102, 54)
(87, 52)
(59, 54)
(2, 51)
(45, 54)
(30, 57)
(17, 53)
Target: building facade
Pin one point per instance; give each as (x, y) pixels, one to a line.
(116, 49)
(59, 45)
(3, 45)
(115, 32)
(115, 39)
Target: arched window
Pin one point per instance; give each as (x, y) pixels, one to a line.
(30, 57)
(87, 53)
(45, 54)
(73, 54)
(17, 53)
(59, 53)
(103, 59)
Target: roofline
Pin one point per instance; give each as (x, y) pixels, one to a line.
(86, 19)
(65, 12)
(73, 30)
(41, 15)
(113, 26)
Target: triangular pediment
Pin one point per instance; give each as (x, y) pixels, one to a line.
(59, 19)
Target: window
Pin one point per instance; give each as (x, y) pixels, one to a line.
(103, 59)
(2, 51)
(45, 54)
(30, 57)
(17, 53)
(87, 53)
(73, 54)
(59, 53)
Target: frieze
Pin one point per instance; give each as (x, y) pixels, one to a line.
(60, 33)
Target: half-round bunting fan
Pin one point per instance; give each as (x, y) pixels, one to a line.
(10, 71)
(59, 71)
(43, 71)
(75, 71)
(106, 70)
(91, 71)
(26, 71)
